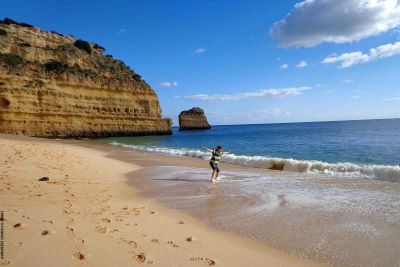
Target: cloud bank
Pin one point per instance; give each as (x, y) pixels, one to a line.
(312, 22)
(354, 58)
(265, 93)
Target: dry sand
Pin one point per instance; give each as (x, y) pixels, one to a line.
(87, 215)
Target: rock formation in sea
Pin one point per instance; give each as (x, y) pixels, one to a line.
(53, 85)
(193, 119)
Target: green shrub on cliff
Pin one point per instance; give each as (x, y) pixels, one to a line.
(56, 66)
(97, 46)
(59, 34)
(136, 76)
(11, 59)
(59, 67)
(9, 21)
(3, 32)
(83, 45)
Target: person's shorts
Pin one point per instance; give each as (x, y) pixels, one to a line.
(214, 166)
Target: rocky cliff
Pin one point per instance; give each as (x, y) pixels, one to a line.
(55, 85)
(193, 119)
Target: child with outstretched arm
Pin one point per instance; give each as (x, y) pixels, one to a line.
(214, 161)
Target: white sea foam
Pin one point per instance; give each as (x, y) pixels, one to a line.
(380, 172)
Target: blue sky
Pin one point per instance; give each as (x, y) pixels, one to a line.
(246, 61)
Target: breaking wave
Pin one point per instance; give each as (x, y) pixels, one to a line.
(380, 172)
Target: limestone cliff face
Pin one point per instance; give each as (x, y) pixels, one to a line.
(54, 85)
(193, 119)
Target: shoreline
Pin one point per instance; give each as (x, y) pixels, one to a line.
(87, 214)
(322, 218)
(371, 171)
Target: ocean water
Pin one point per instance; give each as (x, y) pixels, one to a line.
(335, 197)
(366, 148)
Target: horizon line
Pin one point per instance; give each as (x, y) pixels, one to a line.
(294, 122)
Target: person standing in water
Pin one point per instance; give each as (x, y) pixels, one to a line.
(214, 161)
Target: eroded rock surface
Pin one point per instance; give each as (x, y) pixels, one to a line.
(55, 85)
(193, 119)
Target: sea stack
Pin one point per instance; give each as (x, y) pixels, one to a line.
(193, 119)
(54, 85)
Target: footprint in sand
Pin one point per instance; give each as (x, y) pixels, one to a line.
(210, 262)
(155, 240)
(101, 230)
(70, 230)
(172, 244)
(106, 220)
(67, 212)
(17, 225)
(130, 242)
(141, 257)
(181, 222)
(44, 232)
(189, 239)
(79, 256)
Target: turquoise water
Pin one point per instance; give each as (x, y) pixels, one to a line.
(368, 148)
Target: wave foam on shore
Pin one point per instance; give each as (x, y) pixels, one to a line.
(379, 172)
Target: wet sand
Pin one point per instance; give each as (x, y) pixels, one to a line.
(340, 221)
(85, 214)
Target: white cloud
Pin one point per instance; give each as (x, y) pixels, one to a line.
(284, 66)
(176, 97)
(169, 84)
(328, 92)
(348, 81)
(302, 64)
(200, 50)
(271, 93)
(312, 22)
(354, 58)
(356, 97)
(347, 59)
(121, 31)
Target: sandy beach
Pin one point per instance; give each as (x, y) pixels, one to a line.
(86, 214)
